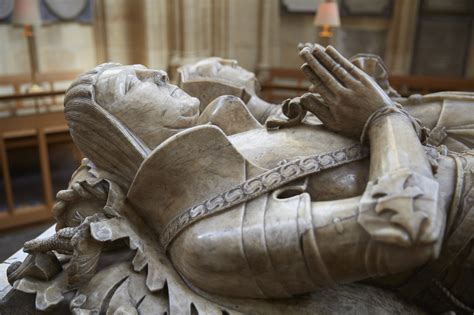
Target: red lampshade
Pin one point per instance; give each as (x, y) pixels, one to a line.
(328, 15)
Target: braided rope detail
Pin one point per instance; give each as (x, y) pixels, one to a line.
(259, 185)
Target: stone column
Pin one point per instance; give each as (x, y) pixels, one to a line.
(243, 32)
(100, 32)
(402, 36)
(269, 44)
(126, 40)
(157, 33)
(197, 30)
(220, 28)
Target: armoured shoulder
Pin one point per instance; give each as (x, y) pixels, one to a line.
(189, 167)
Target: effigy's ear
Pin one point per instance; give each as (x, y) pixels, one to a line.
(105, 140)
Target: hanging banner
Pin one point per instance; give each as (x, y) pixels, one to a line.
(6, 10)
(53, 11)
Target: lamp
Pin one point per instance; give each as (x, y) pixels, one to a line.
(26, 13)
(327, 16)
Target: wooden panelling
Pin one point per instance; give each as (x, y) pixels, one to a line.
(441, 46)
(366, 7)
(22, 123)
(447, 7)
(45, 169)
(41, 77)
(6, 177)
(40, 133)
(429, 84)
(24, 216)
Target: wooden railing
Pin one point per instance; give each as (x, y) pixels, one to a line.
(279, 84)
(49, 79)
(409, 84)
(37, 135)
(17, 104)
(14, 99)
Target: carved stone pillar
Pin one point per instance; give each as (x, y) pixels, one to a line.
(243, 32)
(402, 36)
(100, 32)
(220, 28)
(190, 31)
(157, 35)
(197, 30)
(269, 47)
(126, 40)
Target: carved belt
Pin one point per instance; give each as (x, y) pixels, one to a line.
(259, 185)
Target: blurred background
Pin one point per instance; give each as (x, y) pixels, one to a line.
(427, 46)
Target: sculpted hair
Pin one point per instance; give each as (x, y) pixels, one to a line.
(98, 134)
(82, 89)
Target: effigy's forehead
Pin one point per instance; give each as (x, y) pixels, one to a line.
(111, 84)
(121, 70)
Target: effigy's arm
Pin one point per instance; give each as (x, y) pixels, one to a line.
(448, 115)
(399, 209)
(400, 205)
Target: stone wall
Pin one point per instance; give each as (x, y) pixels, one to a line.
(60, 47)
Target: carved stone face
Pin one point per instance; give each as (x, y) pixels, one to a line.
(146, 102)
(226, 70)
(213, 77)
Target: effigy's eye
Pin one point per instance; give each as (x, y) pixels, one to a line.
(162, 78)
(130, 82)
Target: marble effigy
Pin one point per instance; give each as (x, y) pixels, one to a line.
(206, 199)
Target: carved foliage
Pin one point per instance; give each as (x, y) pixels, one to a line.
(48, 293)
(401, 209)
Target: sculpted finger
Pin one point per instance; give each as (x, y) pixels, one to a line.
(333, 66)
(321, 72)
(303, 45)
(317, 85)
(318, 108)
(311, 101)
(346, 64)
